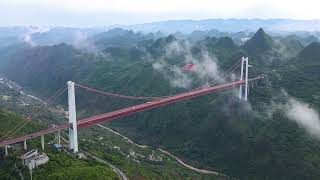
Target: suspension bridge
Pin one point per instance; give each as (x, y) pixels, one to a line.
(154, 102)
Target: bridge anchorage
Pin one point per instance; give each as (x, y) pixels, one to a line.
(154, 102)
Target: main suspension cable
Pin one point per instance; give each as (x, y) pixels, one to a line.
(116, 95)
(230, 70)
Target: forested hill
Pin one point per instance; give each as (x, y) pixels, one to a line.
(300, 76)
(249, 141)
(60, 166)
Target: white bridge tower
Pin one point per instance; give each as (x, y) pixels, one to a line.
(73, 133)
(244, 72)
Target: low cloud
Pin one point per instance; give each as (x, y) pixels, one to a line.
(173, 73)
(304, 115)
(180, 79)
(298, 111)
(27, 38)
(158, 66)
(206, 67)
(38, 29)
(82, 41)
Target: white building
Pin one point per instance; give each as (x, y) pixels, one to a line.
(32, 159)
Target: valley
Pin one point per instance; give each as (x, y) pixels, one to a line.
(111, 142)
(216, 136)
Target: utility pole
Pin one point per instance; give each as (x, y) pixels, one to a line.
(73, 134)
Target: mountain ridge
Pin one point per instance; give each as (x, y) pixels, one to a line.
(217, 131)
(226, 25)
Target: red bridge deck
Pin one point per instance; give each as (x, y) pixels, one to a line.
(130, 110)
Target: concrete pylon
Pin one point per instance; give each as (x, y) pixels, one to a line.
(6, 150)
(244, 67)
(241, 78)
(59, 140)
(42, 142)
(25, 144)
(73, 134)
(246, 85)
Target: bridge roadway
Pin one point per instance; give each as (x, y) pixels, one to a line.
(130, 110)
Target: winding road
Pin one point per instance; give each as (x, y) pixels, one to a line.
(120, 173)
(117, 170)
(203, 171)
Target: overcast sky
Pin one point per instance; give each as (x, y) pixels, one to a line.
(109, 12)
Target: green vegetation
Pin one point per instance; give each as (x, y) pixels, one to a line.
(300, 76)
(63, 166)
(132, 159)
(215, 132)
(60, 165)
(10, 167)
(13, 101)
(9, 120)
(259, 43)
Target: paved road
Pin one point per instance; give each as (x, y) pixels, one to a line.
(124, 137)
(117, 170)
(204, 171)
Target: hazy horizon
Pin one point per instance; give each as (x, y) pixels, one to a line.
(83, 13)
(150, 22)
